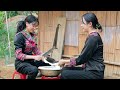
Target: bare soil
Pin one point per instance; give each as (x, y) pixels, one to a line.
(6, 71)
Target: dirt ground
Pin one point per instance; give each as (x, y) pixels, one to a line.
(6, 71)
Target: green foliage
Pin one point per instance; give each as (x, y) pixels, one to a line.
(3, 40)
(26, 13)
(4, 46)
(2, 18)
(12, 13)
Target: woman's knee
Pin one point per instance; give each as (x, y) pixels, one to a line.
(64, 74)
(34, 70)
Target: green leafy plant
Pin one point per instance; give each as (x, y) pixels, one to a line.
(2, 18)
(12, 13)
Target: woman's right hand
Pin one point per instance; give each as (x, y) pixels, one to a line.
(62, 62)
(39, 57)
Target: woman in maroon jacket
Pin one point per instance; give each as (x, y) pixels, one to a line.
(28, 57)
(91, 56)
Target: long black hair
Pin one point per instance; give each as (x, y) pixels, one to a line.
(22, 24)
(91, 17)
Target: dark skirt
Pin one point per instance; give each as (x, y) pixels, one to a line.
(80, 73)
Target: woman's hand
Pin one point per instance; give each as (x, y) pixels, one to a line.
(39, 57)
(62, 62)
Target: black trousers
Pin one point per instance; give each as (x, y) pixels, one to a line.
(30, 68)
(80, 73)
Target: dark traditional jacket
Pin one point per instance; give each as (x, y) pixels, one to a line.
(92, 54)
(25, 44)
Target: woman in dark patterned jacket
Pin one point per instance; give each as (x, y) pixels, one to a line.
(91, 56)
(28, 57)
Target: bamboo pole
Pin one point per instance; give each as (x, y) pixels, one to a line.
(8, 34)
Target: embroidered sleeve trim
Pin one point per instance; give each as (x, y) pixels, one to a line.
(19, 54)
(72, 62)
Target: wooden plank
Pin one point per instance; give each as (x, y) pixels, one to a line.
(104, 39)
(72, 15)
(82, 39)
(109, 48)
(71, 34)
(112, 63)
(118, 17)
(117, 55)
(48, 27)
(57, 53)
(42, 19)
(67, 56)
(105, 56)
(109, 68)
(72, 28)
(117, 38)
(117, 50)
(70, 50)
(82, 13)
(109, 59)
(116, 71)
(111, 18)
(108, 71)
(56, 14)
(48, 35)
(41, 40)
(117, 60)
(101, 15)
(108, 19)
(47, 46)
(50, 18)
(112, 45)
(109, 39)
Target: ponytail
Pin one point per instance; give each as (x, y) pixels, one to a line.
(99, 27)
(21, 26)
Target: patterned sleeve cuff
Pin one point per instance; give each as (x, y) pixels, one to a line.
(19, 54)
(72, 62)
